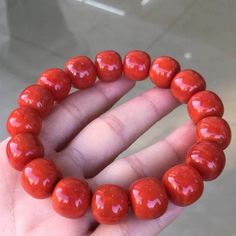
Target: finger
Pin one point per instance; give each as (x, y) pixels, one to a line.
(104, 138)
(151, 161)
(135, 227)
(78, 109)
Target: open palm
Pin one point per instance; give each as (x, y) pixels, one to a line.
(83, 139)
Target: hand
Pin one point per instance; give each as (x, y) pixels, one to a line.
(84, 138)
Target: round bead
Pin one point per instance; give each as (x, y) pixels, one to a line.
(185, 84)
(148, 198)
(136, 65)
(71, 197)
(109, 65)
(81, 71)
(24, 120)
(109, 204)
(207, 158)
(39, 178)
(163, 70)
(56, 81)
(23, 148)
(203, 104)
(37, 98)
(214, 129)
(183, 184)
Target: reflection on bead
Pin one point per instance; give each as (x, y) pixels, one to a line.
(71, 197)
(207, 158)
(37, 98)
(81, 71)
(183, 184)
(109, 204)
(163, 70)
(23, 148)
(203, 104)
(39, 178)
(109, 65)
(185, 84)
(24, 120)
(56, 81)
(214, 129)
(136, 65)
(148, 198)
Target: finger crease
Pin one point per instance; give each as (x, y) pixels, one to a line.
(103, 94)
(177, 155)
(153, 105)
(116, 125)
(136, 165)
(74, 111)
(77, 157)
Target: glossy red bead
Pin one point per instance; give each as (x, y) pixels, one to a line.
(109, 204)
(207, 158)
(136, 65)
(148, 198)
(108, 65)
(203, 104)
(39, 178)
(163, 70)
(37, 98)
(24, 120)
(56, 81)
(23, 148)
(214, 129)
(81, 71)
(185, 84)
(71, 197)
(183, 184)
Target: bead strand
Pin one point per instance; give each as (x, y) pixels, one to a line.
(182, 184)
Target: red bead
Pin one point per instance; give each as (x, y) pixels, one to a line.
(71, 197)
(56, 81)
(148, 198)
(81, 71)
(39, 178)
(207, 158)
(37, 98)
(203, 104)
(24, 120)
(185, 84)
(109, 65)
(214, 129)
(163, 70)
(136, 65)
(109, 204)
(183, 184)
(23, 148)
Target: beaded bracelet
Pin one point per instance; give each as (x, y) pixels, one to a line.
(148, 197)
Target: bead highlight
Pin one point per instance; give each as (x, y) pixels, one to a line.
(109, 204)
(185, 84)
(71, 197)
(148, 198)
(39, 178)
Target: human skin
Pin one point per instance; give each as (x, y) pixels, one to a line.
(78, 153)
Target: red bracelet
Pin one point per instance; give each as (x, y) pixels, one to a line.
(148, 197)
